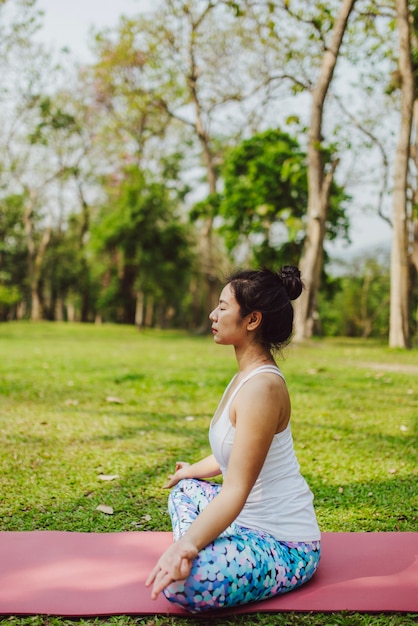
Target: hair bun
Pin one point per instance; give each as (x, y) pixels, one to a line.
(292, 282)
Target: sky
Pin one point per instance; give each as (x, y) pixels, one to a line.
(66, 23)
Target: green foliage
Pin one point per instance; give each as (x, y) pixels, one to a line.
(13, 253)
(11, 226)
(207, 208)
(131, 81)
(19, 21)
(187, 74)
(264, 184)
(67, 273)
(358, 304)
(265, 197)
(52, 118)
(9, 296)
(354, 407)
(144, 246)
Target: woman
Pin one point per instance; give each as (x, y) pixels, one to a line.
(256, 535)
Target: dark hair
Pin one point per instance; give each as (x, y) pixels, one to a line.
(270, 293)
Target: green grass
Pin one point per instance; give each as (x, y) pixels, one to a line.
(355, 413)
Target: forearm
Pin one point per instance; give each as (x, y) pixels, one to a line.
(205, 468)
(216, 517)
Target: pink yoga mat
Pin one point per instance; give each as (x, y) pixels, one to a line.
(87, 574)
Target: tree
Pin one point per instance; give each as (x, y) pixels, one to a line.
(43, 143)
(356, 302)
(399, 336)
(414, 154)
(13, 255)
(264, 199)
(62, 273)
(20, 71)
(319, 181)
(174, 93)
(51, 158)
(305, 39)
(144, 249)
(69, 128)
(192, 64)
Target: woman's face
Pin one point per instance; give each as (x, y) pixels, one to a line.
(228, 327)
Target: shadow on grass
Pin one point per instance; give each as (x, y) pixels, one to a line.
(340, 438)
(137, 505)
(141, 504)
(370, 506)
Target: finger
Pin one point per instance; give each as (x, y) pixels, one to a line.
(152, 575)
(162, 580)
(184, 569)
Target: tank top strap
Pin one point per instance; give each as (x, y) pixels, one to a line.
(271, 369)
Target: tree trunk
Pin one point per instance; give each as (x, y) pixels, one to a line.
(399, 331)
(71, 312)
(139, 309)
(149, 312)
(36, 305)
(85, 283)
(35, 257)
(206, 247)
(21, 310)
(319, 184)
(59, 310)
(414, 244)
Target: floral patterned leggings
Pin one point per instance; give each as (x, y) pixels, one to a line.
(241, 565)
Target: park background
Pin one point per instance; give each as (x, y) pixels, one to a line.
(137, 168)
(146, 155)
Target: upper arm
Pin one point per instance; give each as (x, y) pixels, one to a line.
(260, 408)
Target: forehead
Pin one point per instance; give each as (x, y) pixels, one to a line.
(227, 295)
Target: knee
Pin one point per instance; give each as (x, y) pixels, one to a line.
(205, 588)
(194, 596)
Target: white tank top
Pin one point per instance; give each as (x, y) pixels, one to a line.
(280, 501)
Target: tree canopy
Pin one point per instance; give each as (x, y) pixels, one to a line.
(202, 135)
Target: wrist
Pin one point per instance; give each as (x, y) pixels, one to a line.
(187, 540)
(185, 473)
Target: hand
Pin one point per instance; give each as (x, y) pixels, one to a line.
(174, 564)
(177, 476)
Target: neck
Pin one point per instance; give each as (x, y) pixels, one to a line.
(253, 356)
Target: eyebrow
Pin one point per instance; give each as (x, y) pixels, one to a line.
(223, 302)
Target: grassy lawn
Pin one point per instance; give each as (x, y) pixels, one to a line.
(80, 402)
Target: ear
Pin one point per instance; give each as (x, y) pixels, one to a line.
(254, 320)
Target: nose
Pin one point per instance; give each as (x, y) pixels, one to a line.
(212, 315)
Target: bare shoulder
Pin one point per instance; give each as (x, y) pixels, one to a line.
(266, 384)
(264, 396)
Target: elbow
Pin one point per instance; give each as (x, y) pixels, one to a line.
(235, 497)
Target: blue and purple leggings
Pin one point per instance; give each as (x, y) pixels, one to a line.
(241, 565)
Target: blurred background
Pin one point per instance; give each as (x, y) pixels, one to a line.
(149, 148)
